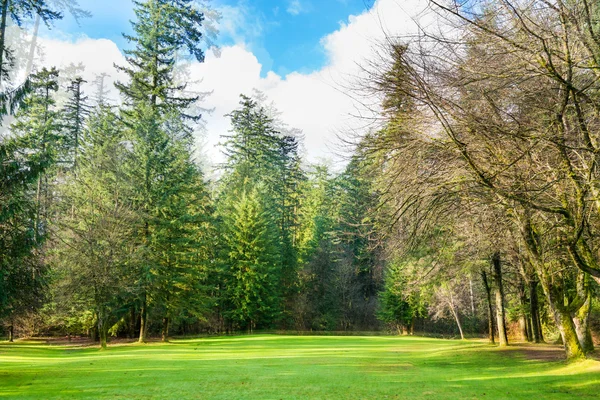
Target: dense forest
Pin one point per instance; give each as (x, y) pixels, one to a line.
(468, 209)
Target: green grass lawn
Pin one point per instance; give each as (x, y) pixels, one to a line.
(290, 367)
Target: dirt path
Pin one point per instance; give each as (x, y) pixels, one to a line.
(541, 352)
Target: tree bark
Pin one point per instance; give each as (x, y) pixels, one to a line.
(499, 294)
(568, 333)
(563, 320)
(457, 319)
(3, 38)
(523, 317)
(536, 325)
(165, 329)
(488, 291)
(143, 320)
(102, 331)
(582, 326)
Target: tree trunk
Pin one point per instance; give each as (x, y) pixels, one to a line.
(132, 323)
(582, 326)
(528, 328)
(562, 316)
(563, 320)
(457, 319)
(94, 332)
(488, 291)
(568, 334)
(523, 317)
(471, 295)
(31, 56)
(102, 331)
(165, 329)
(499, 294)
(143, 320)
(536, 325)
(11, 333)
(3, 39)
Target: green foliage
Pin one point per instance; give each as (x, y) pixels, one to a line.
(251, 260)
(95, 252)
(162, 28)
(263, 162)
(24, 158)
(401, 302)
(169, 194)
(75, 114)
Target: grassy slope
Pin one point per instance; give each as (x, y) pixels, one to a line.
(286, 367)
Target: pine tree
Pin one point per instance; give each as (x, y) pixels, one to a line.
(21, 273)
(25, 158)
(155, 116)
(261, 158)
(315, 306)
(17, 11)
(96, 252)
(180, 239)
(75, 113)
(252, 260)
(38, 125)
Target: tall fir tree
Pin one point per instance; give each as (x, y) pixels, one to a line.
(38, 125)
(95, 253)
(25, 158)
(252, 260)
(75, 114)
(161, 141)
(260, 157)
(17, 11)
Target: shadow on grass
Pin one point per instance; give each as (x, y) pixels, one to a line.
(292, 368)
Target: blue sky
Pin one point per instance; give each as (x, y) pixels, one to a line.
(304, 55)
(284, 35)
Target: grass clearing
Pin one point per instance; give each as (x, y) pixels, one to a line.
(291, 367)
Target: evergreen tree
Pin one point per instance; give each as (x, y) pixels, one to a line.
(39, 129)
(96, 252)
(260, 157)
(160, 160)
(25, 158)
(17, 11)
(75, 113)
(252, 260)
(315, 307)
(21, 273)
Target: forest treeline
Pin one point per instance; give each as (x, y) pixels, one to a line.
(470, 209)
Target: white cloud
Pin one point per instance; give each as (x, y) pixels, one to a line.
(295, 7)
(317, 103)
(98, 56)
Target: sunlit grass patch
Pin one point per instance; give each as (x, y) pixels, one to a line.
(290, 367)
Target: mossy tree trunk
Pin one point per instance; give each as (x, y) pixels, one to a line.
(534, 311)
(499, 294)
(523, 317)
(582, 317)
(490, 308)
(568, 333)
(102, 332)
